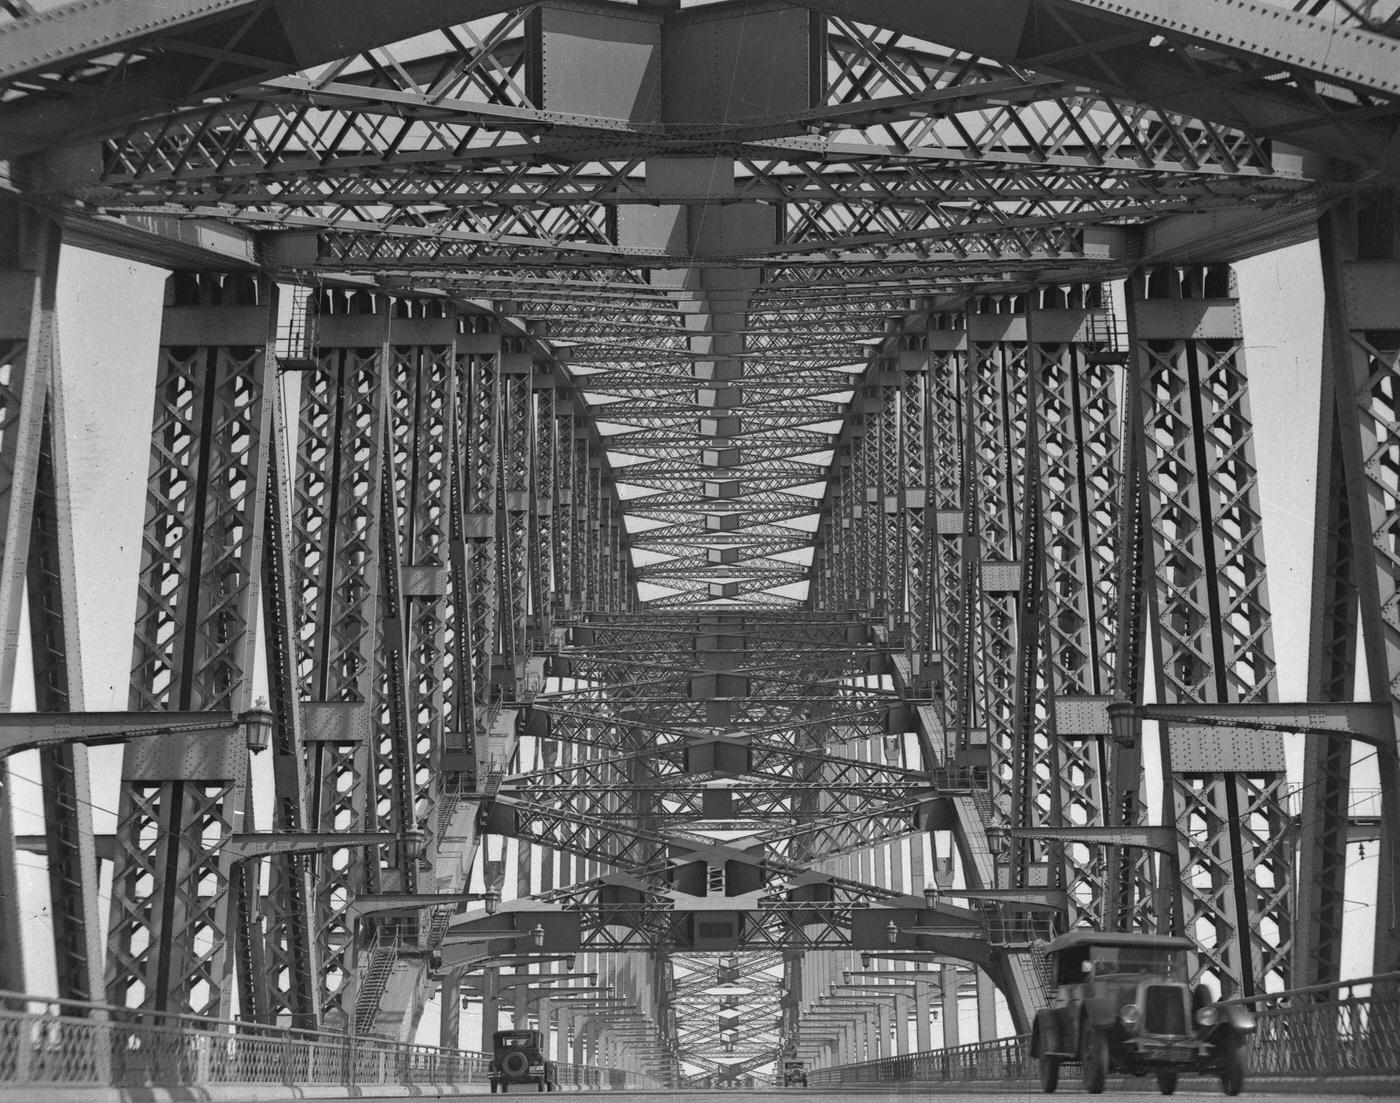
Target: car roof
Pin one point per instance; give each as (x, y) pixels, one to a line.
(512, 1034)
(1075, 939)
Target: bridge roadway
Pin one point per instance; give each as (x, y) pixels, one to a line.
(950, 1093)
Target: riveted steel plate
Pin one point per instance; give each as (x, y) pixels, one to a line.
(1194, 319)
(426, 581)
(951, 522)
(1001, 578)
(602, 64)
(1372, 294)
(1081, 717)
(337, 721)
(1197, 749)
(215, 325)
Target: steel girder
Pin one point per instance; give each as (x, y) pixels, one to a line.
(1210, 620)
(1354, 569)
(132, 63)
(36, 562)
(175, 898)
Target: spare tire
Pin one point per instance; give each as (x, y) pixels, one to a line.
(515, 1064)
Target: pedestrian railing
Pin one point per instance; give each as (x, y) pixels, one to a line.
(1346, 1029)
(63, 1044)
(1327, 1031)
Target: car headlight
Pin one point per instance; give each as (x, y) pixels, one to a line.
(1130, 1014)
(1207, 1016)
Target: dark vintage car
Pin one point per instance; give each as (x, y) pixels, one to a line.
(1124, 1003)
(794, 1073)
(518, 1058)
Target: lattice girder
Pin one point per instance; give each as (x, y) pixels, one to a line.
(172, 931)
(1210, 619)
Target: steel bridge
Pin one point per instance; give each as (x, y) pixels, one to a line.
(745, 512)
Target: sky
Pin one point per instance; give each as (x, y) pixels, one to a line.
(109, 311)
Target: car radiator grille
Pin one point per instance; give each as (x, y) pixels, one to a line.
(1165, 1012)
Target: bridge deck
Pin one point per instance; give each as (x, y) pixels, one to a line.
(986, 1092)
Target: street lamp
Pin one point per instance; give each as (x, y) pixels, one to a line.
(257, 726)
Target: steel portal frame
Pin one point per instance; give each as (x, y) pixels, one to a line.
(713, 507)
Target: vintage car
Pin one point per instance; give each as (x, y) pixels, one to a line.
(794, 1073)
(1124, 1003)
(518, 1058)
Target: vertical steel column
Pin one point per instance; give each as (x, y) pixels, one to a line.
(450, 1003)
(1356, 569)
(866, 515)
(1132, 899)
(952, 1019)
(480, 437)
(914, 498)
(174, 902)
(1072, 571)
(338, 575)
(843, 527)
(514, 531)
(292, 954)
(826, 561)
(423, 408)
(28, 268)
(594, 525)
(566, 553)
(37, 556)
(1210, 623)
(544, 584)
(923, 1015)
(393, 747)
(998, 424)
(953, 564)
(888, 516)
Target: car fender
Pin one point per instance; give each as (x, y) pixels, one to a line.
(1045, 1035)
(1240, 1020)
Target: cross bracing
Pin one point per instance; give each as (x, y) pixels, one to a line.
(741, 448)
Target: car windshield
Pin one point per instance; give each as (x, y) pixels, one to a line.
(1152, 960)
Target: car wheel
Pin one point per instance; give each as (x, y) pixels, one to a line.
(1232, 1067)
(1049, 1073)
(1166, 1081)
(1093, 1059)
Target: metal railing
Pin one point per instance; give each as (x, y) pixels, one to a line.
(1327, 1031)
(63, 1044)
(1001, 1059)
(1346, 1029)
